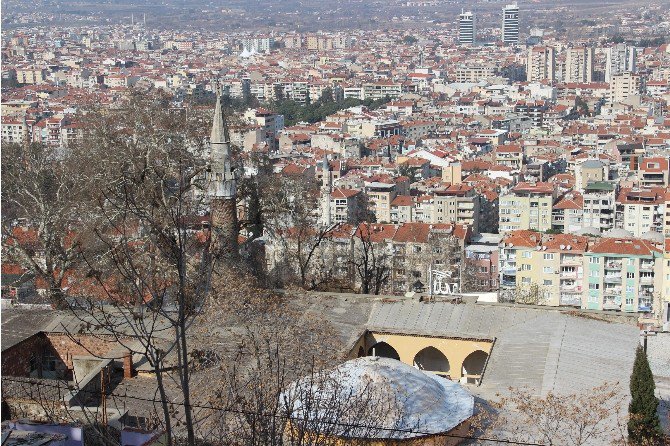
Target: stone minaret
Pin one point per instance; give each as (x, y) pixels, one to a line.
(326, 189)
(26, 133)
(222, 189)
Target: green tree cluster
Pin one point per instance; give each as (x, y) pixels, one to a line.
(315, 111)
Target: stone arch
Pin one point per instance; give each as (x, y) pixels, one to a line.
(431, 360)
(474, 364)
(384, 350)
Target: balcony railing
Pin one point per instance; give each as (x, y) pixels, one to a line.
(571, 299)
(646, 279)
(613, 279)
(613, 265)
(609, 304)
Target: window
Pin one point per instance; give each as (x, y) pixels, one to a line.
(49, 362)
(548, 282)
(629, 301)
(594, 286)
(547, 270)
(526, 254)
(630, 289)
(525, 280)
(630, 275)
(631, 262)
(548, 256)
(417, 249)
(594, 259)
(483, 269)
(594, 273)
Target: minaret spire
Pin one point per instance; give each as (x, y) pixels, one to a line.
(326, 190)
(222, 182)
(222, 188)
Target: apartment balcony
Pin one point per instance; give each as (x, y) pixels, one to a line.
(645, 303)
(571, 260)
(611, 304)
(646, 266)
(568, 299)
(573, 287)
(612, 279)
(614, 264)
(564, 275)
(612, 291)
(508, 268)
(646, 280)
(508, 283)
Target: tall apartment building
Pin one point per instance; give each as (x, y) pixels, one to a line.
(541, 64)
(510, 24)
(599, 205)
(466, 28)
(527, 206)
(623, 86)
(551, 273)
(457, 204)
(475, 73)
(623, 274)
(31, 75)
(579, 64)
(620, 59)
(258, 44)
(381, 195)
(640, 211)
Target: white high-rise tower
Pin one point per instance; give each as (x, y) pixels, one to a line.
(620, 59)
(466, 28)
(510, 24)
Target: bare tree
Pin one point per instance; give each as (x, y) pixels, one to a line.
(292, 223)
(155, 268)
(555, 419)
(471, 277)
(273, 354)
(532, 294)
(47, 212)
(371, 260)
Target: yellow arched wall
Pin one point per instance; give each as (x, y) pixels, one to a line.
(407, 346)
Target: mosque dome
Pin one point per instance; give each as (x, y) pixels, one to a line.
(618, 233)
(423, 404)
(654, 237)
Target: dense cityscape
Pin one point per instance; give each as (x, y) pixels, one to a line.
(407, 222)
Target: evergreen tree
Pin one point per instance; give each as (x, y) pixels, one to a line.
(643, 425)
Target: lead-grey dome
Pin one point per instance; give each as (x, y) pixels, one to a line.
(429, 404)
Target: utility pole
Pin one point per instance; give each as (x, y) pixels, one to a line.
(103, 397)
(645, 334)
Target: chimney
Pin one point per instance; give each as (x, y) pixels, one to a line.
(128, 371)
